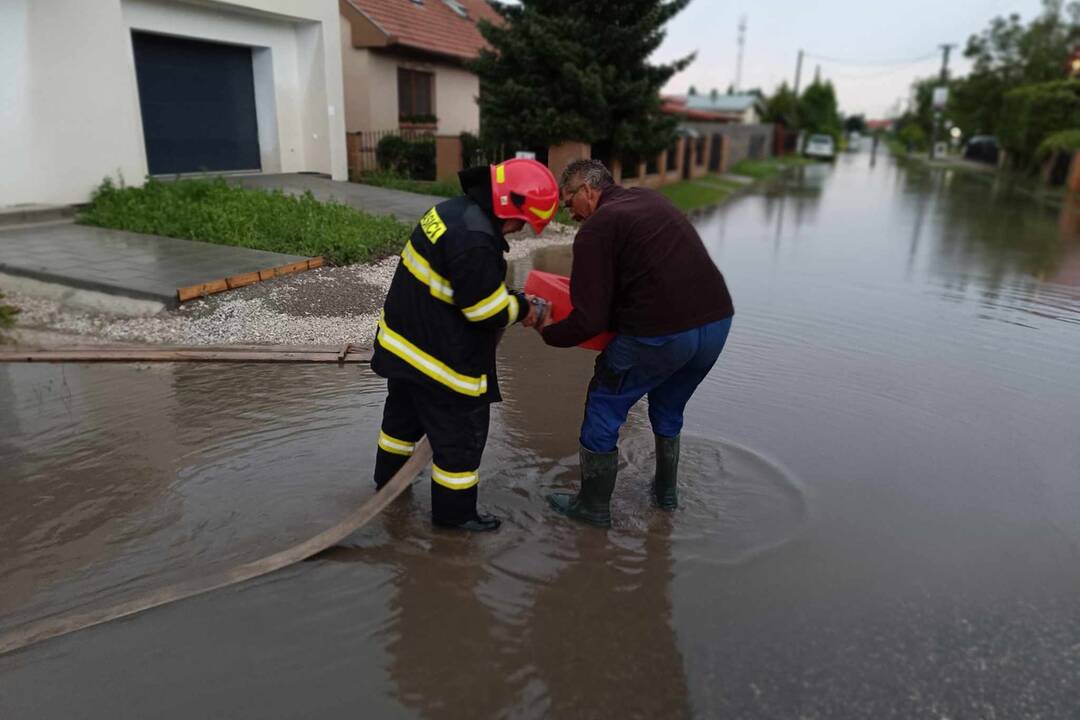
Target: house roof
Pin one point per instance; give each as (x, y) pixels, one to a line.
(431, 26)
(676, 105)
(722, 103)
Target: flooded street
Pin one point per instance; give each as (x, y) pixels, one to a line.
(880, 502)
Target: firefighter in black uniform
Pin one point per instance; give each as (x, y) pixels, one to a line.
(444, 312)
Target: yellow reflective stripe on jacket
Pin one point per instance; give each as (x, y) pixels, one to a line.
(512, 310)
(428, 365)
(454, 480)
(421, 270)
(491, 305)
(393, 445)
(432, 225)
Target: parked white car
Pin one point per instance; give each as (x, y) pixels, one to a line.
(820, 146)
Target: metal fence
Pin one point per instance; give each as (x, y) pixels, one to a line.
(362, 147)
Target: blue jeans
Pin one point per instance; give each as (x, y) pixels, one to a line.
(667, 368)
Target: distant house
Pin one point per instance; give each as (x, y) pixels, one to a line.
(718, 131)
(880, 125)
(739, 108)
(130, 88)
(403, 64)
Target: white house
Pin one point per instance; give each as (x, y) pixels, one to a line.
(740, 108)
(96, 88)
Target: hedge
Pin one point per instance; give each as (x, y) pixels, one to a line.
(1032, 113)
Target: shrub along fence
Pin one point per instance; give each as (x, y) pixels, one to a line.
(1033, 113)
(407, 152)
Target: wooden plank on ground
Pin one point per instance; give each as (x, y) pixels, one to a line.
(194, 292)
(242, 280)
(189, 354)
(112, 347)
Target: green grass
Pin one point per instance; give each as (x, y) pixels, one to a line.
(690, 195)
(397, 182)
(761, 169)
(895, 145)
(216, 212)
(7, 318)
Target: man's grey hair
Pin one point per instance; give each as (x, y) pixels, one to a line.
(591, 172)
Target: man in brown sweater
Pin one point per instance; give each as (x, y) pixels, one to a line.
(641, 270)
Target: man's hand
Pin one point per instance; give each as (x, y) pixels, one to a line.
(539, 312)
(545, 321)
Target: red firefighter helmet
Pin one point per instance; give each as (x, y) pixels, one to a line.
(525, 190)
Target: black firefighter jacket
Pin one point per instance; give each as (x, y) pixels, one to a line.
(448, 303)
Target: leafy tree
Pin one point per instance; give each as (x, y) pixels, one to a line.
(818, 111)
(1007, 55)
(855, 123)
(563, 70)
(1032, 113)
(782, 107)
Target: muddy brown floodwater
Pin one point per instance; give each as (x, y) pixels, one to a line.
(880, 518)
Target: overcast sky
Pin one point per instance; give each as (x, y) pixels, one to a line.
(871, 33)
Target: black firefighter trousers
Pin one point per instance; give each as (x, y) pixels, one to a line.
(457, 429)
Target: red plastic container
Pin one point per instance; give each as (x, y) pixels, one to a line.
(556, 290)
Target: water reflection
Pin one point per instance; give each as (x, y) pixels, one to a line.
(122, 478)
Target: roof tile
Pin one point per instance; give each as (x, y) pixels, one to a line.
(431, 25)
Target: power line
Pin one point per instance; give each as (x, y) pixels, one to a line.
(842, 61)
(879, 73)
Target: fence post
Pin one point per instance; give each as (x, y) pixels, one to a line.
(1074, 173)
(561, 155)
(448, 162)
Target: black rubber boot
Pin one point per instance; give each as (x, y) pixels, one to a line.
(667, 472)
(481, 523)
(593, 503)
(456, 509)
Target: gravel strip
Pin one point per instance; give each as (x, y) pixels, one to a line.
(325, 306)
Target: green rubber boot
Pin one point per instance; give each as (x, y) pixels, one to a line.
(667, 472)
(593, 503)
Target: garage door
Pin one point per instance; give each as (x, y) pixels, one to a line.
(198, 105)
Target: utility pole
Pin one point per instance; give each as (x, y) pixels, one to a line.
(738, 61)
(946, 48)
(798, 73)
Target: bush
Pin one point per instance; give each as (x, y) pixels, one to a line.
(214, 211)
(7, 318)
(913, 137)
(1066, 141)
(472, 153)
(1030, 114)
(413, 159)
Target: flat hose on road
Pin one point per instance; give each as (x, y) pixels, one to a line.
(41, 630)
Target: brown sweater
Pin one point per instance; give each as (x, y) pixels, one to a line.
(641, 269)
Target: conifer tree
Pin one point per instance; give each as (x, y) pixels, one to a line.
(577, 70)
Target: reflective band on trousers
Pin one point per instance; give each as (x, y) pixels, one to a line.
(421, 270)
(393, 445)
(454, 480)
(428, 365)
(493, 304)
